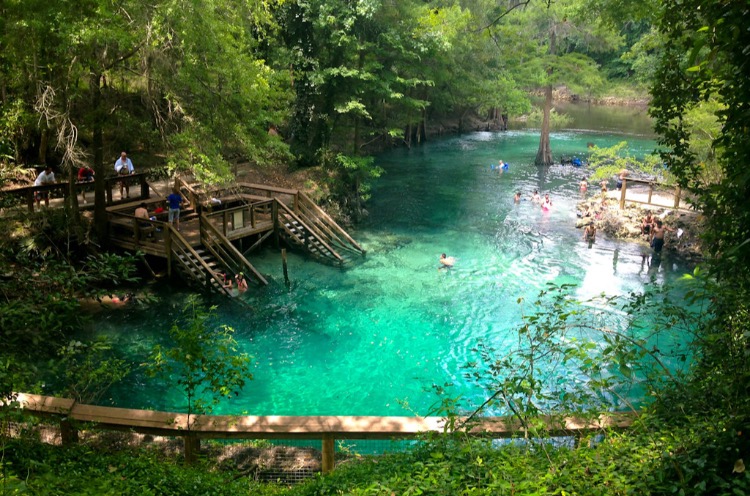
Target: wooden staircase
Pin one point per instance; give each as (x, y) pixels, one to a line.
(309, 227)
(196, 265)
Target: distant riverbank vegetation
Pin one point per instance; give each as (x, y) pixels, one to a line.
(198, 87)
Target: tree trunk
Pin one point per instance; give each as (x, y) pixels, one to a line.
(100, 173)
(544, 155)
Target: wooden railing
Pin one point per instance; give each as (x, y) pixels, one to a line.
(651, 185)
(242, 216)
(62, 189)
(224, 251)
(190, 260)
(316, 216)
(193, 428)
(136, 229)
(285, 214)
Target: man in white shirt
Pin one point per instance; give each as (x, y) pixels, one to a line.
(124, 167)
(44, 177)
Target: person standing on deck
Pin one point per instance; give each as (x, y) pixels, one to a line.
(44, 177)
(85, 175)
(175, 201)
(124, 167)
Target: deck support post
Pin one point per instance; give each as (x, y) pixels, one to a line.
(329, 449)
(677, 194)
(275, 216)
(622, 193)
(168, 249)
(283, 263)
(650, 191)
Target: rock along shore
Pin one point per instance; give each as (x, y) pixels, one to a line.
(604, 211)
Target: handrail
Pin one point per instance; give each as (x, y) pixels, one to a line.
(64, 186)
(136, 221)
(193, 428)
(311, 231)
(238, 208)
(236, 256)
(329, 219)
(185, 247)
(272, 189)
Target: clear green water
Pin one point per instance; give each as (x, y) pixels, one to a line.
(361, 341)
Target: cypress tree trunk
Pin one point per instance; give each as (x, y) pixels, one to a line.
(100, 173)
(544, 154)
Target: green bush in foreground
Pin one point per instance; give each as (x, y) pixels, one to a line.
(640, 461)
(34, 468)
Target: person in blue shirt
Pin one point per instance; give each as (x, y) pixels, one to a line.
(175, 202)
(124, 167)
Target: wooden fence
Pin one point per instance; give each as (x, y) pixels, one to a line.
(63, 189)
(651, 186)
(328, 429)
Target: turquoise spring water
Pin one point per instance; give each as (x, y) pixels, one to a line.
(371, 338)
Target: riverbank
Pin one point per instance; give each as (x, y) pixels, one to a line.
(686, 225)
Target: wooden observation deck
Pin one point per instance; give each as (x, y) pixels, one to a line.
(218, 229)
(217, 220)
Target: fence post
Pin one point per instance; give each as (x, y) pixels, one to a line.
(30, 200)
(109, 184)
(68, 433)
(329, 448)
(622, 193)
(192, 447)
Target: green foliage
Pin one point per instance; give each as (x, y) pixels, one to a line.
(608, 162)
(356, 172)
(557, 120)
(204, 362)
(35, 468)
(87, 370)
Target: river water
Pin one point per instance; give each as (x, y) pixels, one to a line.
(373, 338)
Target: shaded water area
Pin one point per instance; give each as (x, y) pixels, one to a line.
(373, 338)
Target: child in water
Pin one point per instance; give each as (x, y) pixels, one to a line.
(547, 203)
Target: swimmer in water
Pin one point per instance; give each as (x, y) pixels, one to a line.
(547, 203)
(517, 198)
(535, 197)
(447, 262)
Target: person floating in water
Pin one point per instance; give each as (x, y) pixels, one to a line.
(535, 197)
(447, 262)
(584, 185)
(517, 198)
